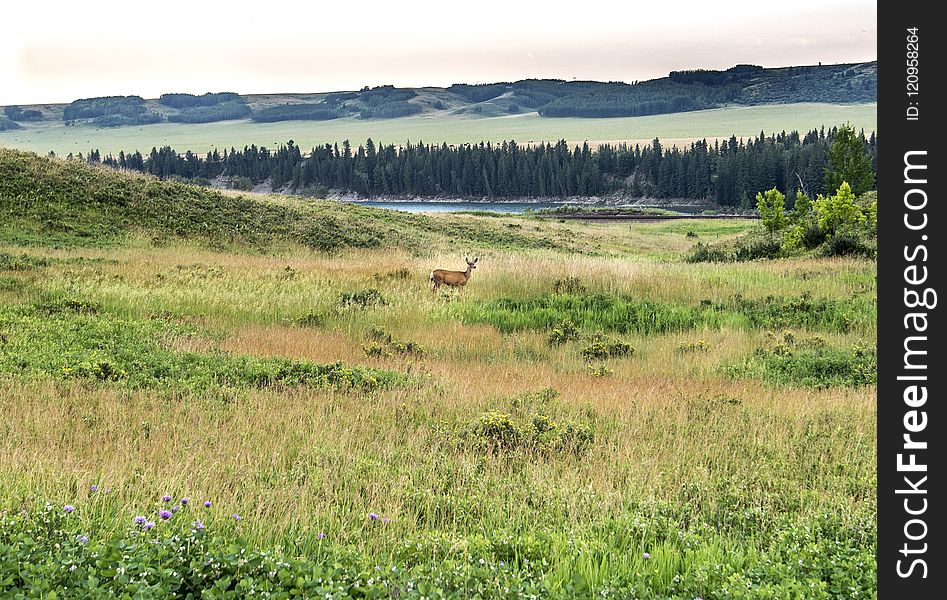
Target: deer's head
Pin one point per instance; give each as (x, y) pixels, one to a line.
(471, 264)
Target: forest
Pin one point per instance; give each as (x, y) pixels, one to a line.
(727, 173)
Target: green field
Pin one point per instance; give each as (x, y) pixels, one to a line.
(591, 417)
(675, 128)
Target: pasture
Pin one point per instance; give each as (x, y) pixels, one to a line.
(679, 129)
(590, 416)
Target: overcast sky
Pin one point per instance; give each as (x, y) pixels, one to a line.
(55, 51)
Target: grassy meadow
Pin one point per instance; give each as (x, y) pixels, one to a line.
(679, 128)
(591, 416)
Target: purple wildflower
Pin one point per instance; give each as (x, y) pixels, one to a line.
(647, 556)
(69, 508)
(207, 504)
(140, 519)
(386, 520)
(184, 501)
(83, 539)
(149, 524)
(174, 509)
(166, 498)
(106, 490)
(373, 516)
(236, 517)
(93, 488)
(165, 514)
(198, 524)
(321, 535)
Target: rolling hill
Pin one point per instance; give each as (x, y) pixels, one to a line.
(680, 91)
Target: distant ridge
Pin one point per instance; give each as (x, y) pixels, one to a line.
(680, 91)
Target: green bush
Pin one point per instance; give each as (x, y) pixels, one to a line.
(382, 344)
(310, 319)
(705, 253)
(599, 370)
(847, 245)
(757, 250)
(361, 299)
(601, 347)
(566, 331)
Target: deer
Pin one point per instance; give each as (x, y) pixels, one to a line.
(457, 279)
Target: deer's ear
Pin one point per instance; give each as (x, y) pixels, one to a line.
(476, 259)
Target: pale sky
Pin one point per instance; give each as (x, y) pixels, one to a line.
(57, 51)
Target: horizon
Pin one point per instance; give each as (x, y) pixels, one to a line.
(427, 86)
(189, 48)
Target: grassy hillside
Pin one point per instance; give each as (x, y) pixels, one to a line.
(681, 128)
(49, 201)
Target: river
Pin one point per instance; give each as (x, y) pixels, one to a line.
(442, 206)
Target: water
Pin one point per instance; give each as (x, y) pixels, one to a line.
(440, 206)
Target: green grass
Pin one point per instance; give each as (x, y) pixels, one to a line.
(437, 128)
(810, 362)
(624, 314)
(69, 339)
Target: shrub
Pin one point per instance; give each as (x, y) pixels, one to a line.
(376, 350)
(361, 299)
(601, 347)
(495, 431)
(689, 347)
(310, 319)
(812, 236)
(569, 285)
(599, 371)
(565, 331)
(407, 348)
(705, 253)
(382, 344)
(847, 245)
(758, 249)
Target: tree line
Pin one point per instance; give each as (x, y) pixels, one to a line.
(728, 173)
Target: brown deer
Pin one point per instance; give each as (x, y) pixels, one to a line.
(457, 279)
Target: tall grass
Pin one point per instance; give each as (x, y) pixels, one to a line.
(668, 477)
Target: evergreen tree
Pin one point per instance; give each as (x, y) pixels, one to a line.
(849, 161)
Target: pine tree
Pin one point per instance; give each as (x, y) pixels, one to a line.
(848, 161)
